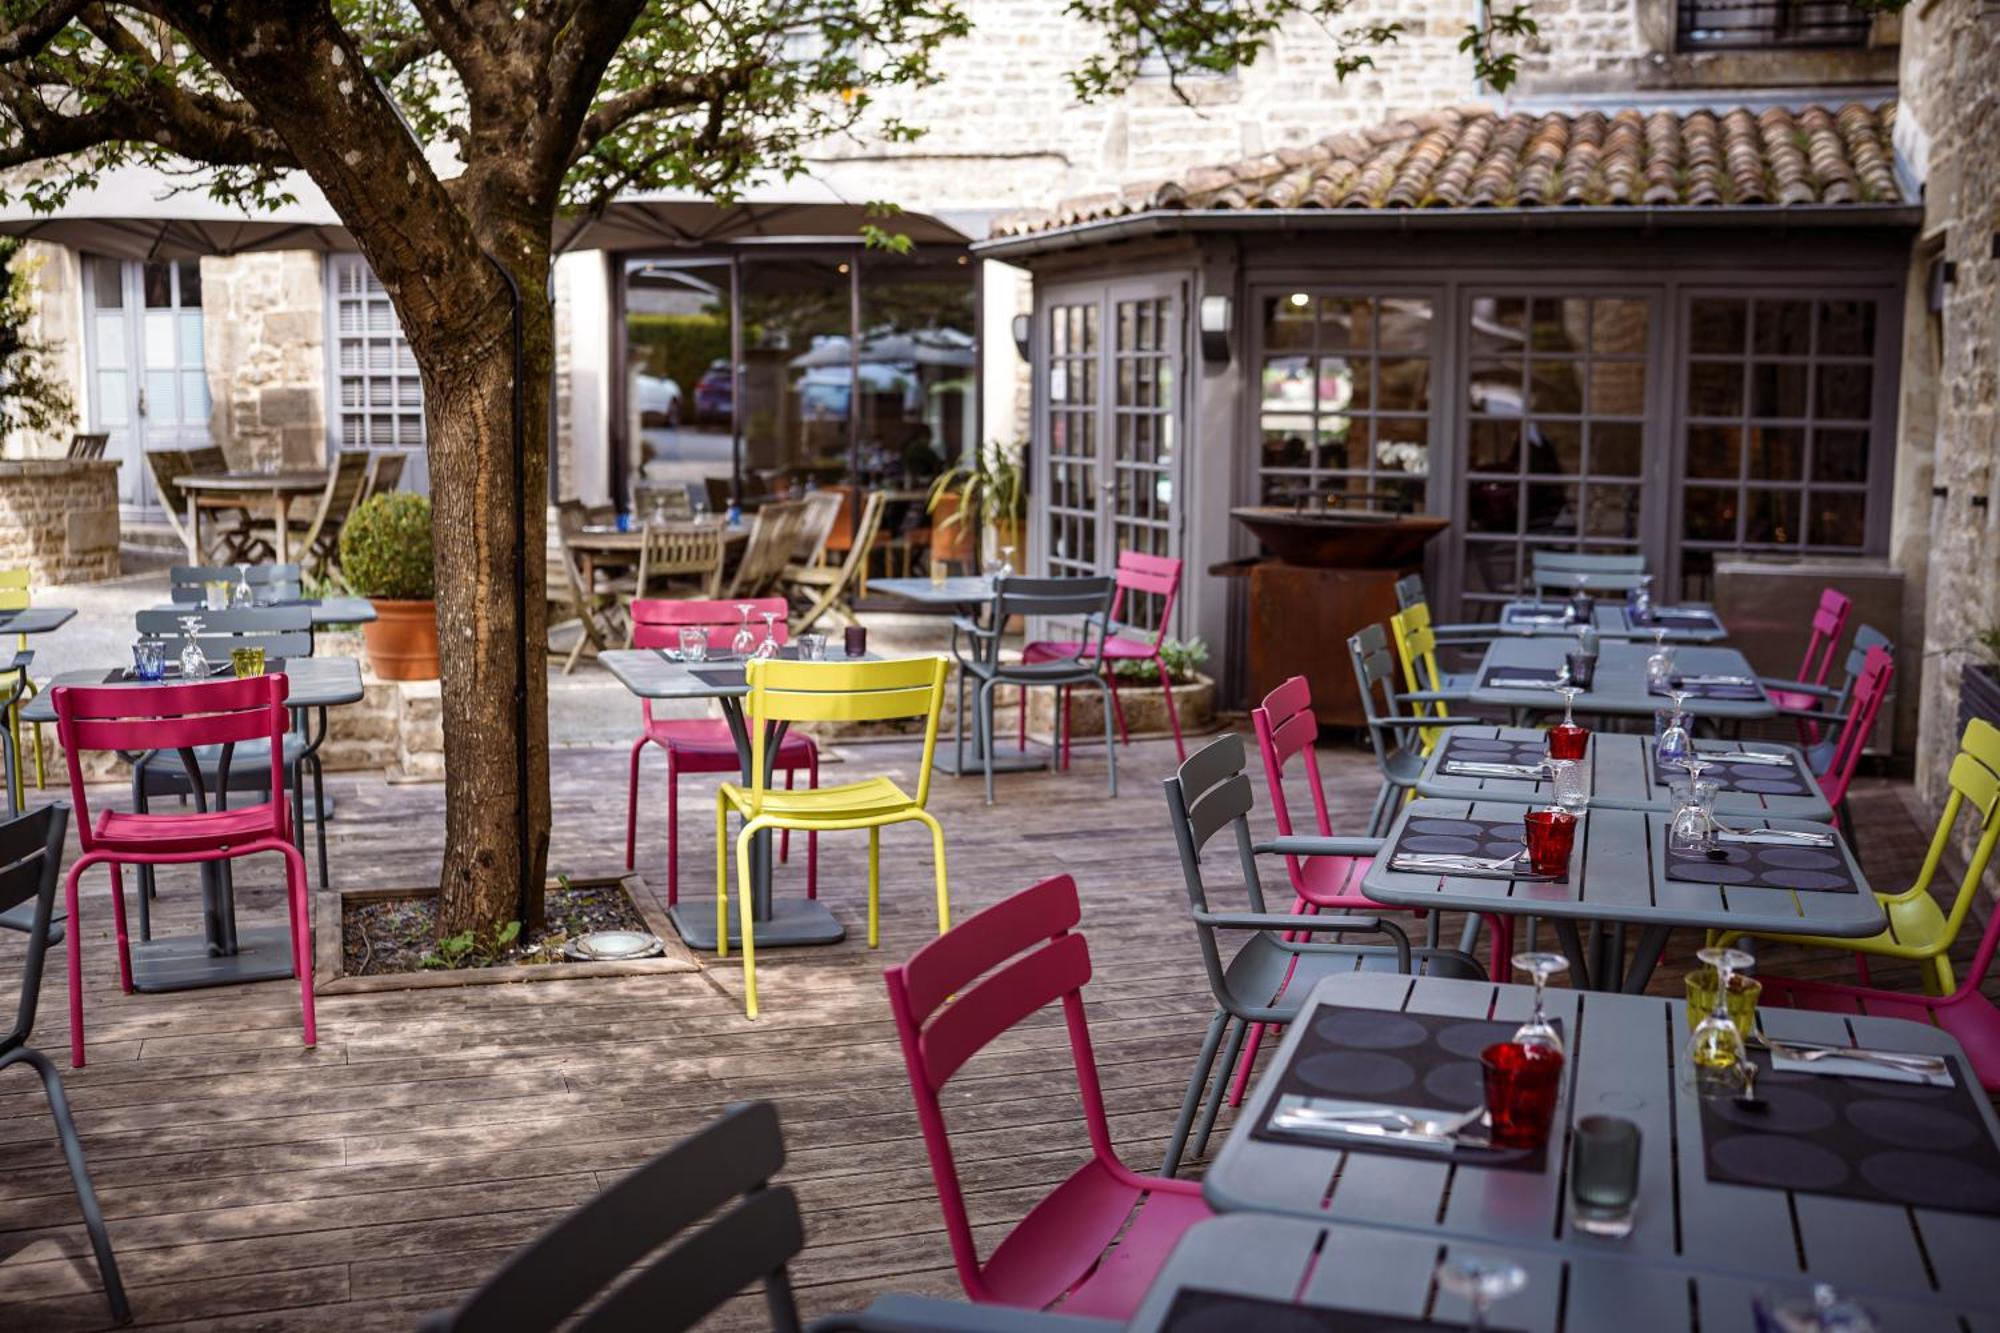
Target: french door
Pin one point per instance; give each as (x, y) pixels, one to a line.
(1110, 427)
(148, 381)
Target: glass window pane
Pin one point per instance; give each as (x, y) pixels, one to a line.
(1342, 383)
(190, 339)
(1777, 453)
(1343, 443)
(1839, 518)
(1560, 325)
(1846, 392)
(107, 283)
(1495, 446)
(1840, 455)
(1491, 568)
(1709, 514)
(1344, 324)
(1492, 506)
(1718, 325)
(1402, 444)
(1846, 328)
(160, 340)
(1555, 448)
(1714, 451)
(1402, 324)
(162, 403)
(1618, 388)
(1499, 326)
(1494, 387)
(1288, 322)
(157, 282)
(1555, 386)
(1288, 383)
(190, 271)
(110, 341)
(194, 397)
(1285, 445)
(1778, 389)
(1551, 509)
(1616, 448)
(1403, 385)
(1771, 517)
(114, 407)
(1784, 327)
(1715, 389)
(1611, 511)
(1619, 327)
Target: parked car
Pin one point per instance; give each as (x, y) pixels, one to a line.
(659, 400)
(714, 392)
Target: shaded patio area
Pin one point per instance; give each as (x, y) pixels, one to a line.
(253, 1184)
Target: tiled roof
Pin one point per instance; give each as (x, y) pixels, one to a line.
(1475, 157)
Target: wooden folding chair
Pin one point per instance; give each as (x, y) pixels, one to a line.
(589, 604)
(829, 587)
(677, 551)
(773, 533)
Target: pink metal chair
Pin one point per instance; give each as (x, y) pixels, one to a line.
(1007, 963)
(178, 717)
(1829, 622)
(1871, 688)
(1138, 573)
(704, 745)
(1286, 727)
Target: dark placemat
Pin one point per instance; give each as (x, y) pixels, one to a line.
(1746, 693)
(1761, 866)
(1910, 1144)
(1669, 619)
(729, 670)
(1425, 1061)
(1461, 837)
(1473, 750)
(1746, 779)
(1201, 1310)
(1522, 678)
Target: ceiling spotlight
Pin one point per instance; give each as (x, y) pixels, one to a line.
(1299, 300)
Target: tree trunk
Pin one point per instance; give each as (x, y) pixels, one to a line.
(489, 520)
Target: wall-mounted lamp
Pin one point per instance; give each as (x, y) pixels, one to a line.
(1215, 315)
(1023, 326)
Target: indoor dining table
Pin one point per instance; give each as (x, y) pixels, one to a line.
(1618, 876)
(1622, 774)
(223, 954)
(1365, 1228)
(658, 674)
(1619, 687)
(247, 489)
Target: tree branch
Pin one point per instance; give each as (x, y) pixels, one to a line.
(710, 89)
(39, 30)
(403, 55)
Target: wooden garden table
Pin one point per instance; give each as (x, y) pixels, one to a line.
(1694, 1240)
(1617, 876)
(231, 489)
(1622, 776)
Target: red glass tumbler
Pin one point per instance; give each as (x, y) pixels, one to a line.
(1551, 836)
(1523, 1084)
(1566, 740)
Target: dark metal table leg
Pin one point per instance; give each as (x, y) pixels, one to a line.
(1572, 947)
(1652, 940)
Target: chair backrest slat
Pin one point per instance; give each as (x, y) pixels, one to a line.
(782, 691)
(1829, 620)
(385, 473)
(1877, 671)
(187, 583)
(1152, 575)
(657, 621)
(951, 962)
(31, 847)
(281, 631)
(1063, 597)
(1286, 727)
(1409, 591)
(996, 1003)
(773, 530)
(722, 1170)
(822, 510)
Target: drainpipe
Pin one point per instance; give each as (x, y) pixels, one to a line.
(523, 889)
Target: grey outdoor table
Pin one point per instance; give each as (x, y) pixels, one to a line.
(1619, 687)
(1617, 875)
(325, 610)
(778, 922)
(967, 594)
(36, 619)
(223, 954)
(1622, 777)
(1609, 619)
(1918, 1268)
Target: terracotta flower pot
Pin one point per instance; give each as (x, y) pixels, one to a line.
(403, 639)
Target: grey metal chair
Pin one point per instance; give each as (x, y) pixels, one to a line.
(268, 582)
(708, 1200)
(1268, 978)
(1083, 599)
(1389, 727)
(30, 865)
(282, 632)
(1410, 592)
(1558, 569)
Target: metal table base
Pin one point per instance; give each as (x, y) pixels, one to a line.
(189, 962)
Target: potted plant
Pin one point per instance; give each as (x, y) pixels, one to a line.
(385, 556)
(1979, 682)
(984, 496)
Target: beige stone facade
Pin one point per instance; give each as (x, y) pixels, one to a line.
(264, 319)
(59, 520)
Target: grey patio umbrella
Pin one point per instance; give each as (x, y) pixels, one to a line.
(137, 212)
(799, 209)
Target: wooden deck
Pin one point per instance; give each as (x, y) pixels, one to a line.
(253, 1184)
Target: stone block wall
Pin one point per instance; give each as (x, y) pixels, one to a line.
(58, 321)
(1948, 517)
(264, 319)
(59, 519)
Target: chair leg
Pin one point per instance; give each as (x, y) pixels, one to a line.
(79, 1175)
(1938, 973)
(1110, 750)
(13, 771)
(302, 943)
(785, 835)
(1243, 1066)
(1229, 1058)
(118, 927)
(1173, 714)
(73, 948)
(1021, 723)
(1068, 732)
(632, 803)
(874, 886)
(986, 689)
(812, 836)
(1502, 930)
(722, 878)
(1117, 705)
(319, 817)
(1378, 816)
(41, 775)
(750, 828)
(937, 856)
(1192, 1101)
(673, 830)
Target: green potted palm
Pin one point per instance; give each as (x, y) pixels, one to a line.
(983, 497)
(385, 556)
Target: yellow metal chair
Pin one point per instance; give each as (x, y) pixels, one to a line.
(782, 691)
(1427, 688)
(1919, 930)
(14, 596)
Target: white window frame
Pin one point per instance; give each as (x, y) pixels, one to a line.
(399, 369)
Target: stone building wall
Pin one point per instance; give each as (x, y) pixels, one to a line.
(264, 320)
(58, 321)
(1949, 453)
(59, 519)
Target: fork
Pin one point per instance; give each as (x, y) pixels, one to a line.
(1909, 1062)
(1386, 1120)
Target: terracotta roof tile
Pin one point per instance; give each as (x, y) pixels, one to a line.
(1476, 157)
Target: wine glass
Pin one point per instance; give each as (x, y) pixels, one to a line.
(1660, 663)
(194, 662)
(1675, 744)
(1569, 788)
(744, 640)
(241, 594)
(1479, 1282)
(1007, 558)
(1715, 1061)
(1538, 1030)
(768, 649)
